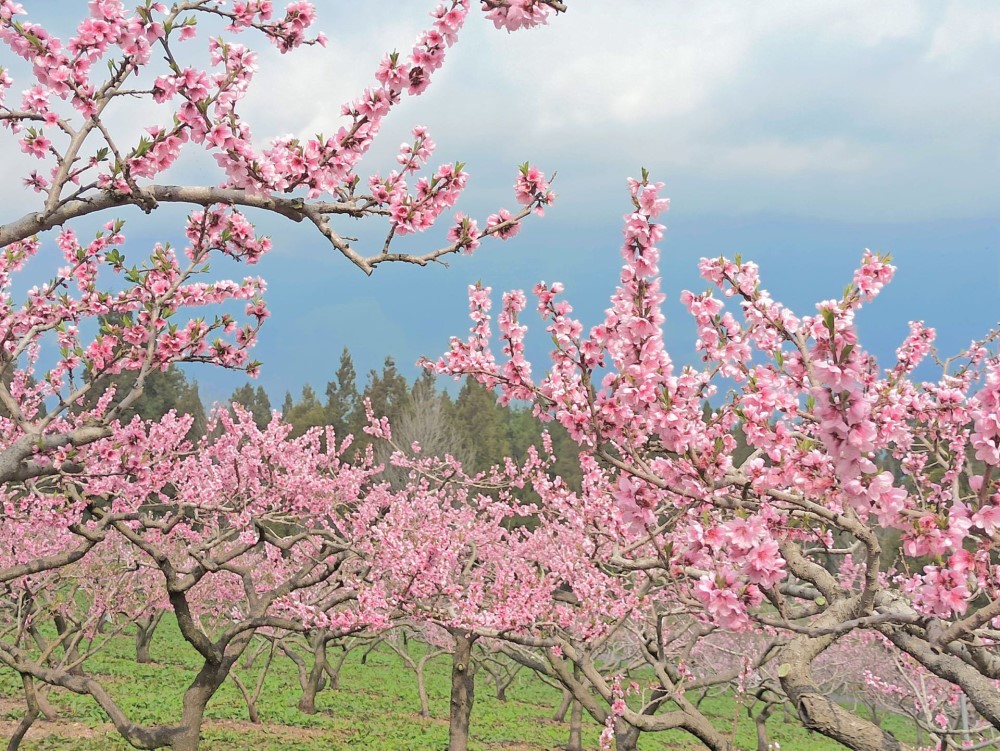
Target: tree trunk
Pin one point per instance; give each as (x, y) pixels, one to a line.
(248, 698)
(425, 705)
(763, 743)
(187, 736)
(188, 739)
(567, 700)
(575, 742)
(315, 680)
(144, 628)
(462, 691)
(49, 712)
(817, 711)
(626, 737)
(31, 713)
(333, 671)
(65, 631)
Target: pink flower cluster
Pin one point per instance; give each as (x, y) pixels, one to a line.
(516, 14)
(873, 274)
(418, 211)
(532, 189)
(985, 437)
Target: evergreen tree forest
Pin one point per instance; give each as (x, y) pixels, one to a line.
(470, 426)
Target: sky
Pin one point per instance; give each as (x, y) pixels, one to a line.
(794, 134)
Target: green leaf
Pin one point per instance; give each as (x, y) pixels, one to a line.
(143, 147)
(784, 669)
(828, 319)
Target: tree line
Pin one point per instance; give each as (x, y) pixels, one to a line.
(471, 426)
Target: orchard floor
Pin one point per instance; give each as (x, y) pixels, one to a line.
(375, 709)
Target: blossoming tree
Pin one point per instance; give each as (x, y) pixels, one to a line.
(450, 554)
(838, 449)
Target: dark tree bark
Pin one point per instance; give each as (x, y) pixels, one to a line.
(144, 628)
(462, 691)
(315, 680)
(66, 631)
(763, 743)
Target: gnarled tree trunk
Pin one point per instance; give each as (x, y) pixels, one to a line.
(315, 680)
(144, 628)
(817, 711)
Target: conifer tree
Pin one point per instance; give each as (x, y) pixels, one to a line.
(483, 423)
(307, 413)
(255, 400)
(342, 395)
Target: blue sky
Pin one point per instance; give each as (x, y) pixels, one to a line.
(795, 134)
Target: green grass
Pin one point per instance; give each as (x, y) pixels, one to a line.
(376, 708)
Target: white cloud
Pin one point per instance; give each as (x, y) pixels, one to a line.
(766, 91)
(966, 28)
(856, 21)
(783, 159)
(647, 61)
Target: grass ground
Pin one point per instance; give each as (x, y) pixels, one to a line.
(375, 708)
